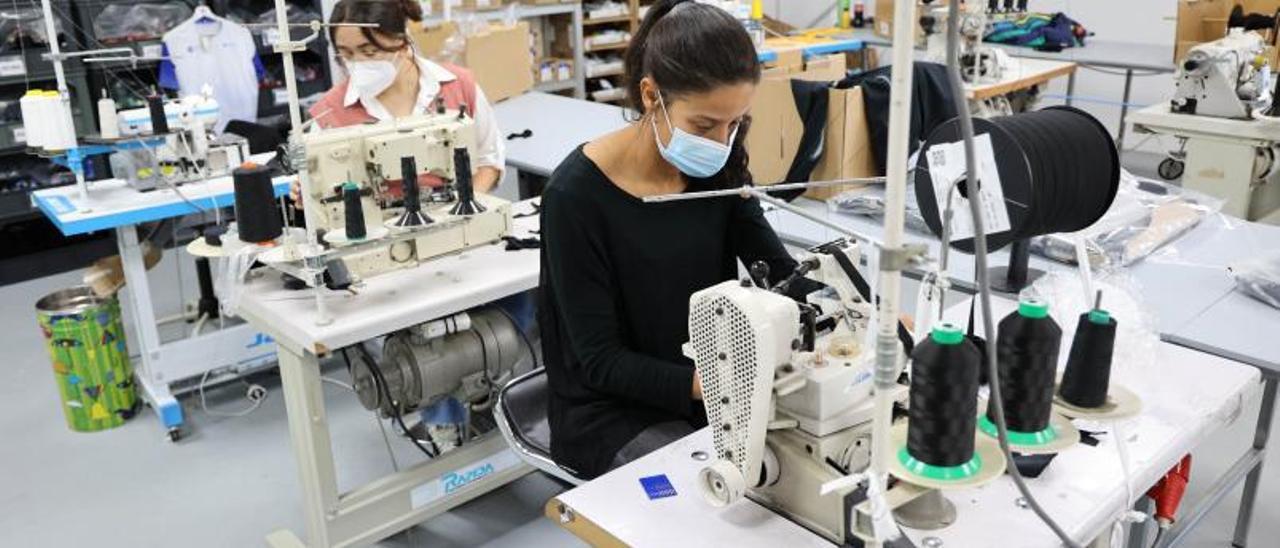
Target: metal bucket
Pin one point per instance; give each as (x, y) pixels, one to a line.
(85, 338)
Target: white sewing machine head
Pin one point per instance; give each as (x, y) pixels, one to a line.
(787, 390)
(979, 63)
(1226, 78)
(372, 158)
(189, 152)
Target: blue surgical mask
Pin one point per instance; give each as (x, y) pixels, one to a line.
(694, 156)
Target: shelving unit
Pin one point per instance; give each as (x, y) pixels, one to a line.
(537, 12)
(629, 23)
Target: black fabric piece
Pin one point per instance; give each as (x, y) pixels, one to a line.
(1031, 466)
(864, 289)
(812, 103)
(931, 104)
(1090, 438)
(261, 138)
(521, 244)
(616, 276)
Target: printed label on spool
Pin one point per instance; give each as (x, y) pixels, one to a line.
(12, 65)
(947, 165)
(153, 51)
(19, 135)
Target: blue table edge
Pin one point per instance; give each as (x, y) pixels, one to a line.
(56, 205)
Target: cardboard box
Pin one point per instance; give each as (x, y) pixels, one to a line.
(776, 130)
(1202, 21)
(500, 59)
(884, 17)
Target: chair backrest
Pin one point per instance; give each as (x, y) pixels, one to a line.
(521, 413)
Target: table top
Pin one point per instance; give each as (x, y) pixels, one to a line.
(1106, 53)
(1157, 118)
(396, 300)
(559, 124)
(1192, 395)
(1023, 74)
(1185, 284)
(112, 203)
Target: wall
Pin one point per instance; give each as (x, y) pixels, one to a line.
(1137, 21)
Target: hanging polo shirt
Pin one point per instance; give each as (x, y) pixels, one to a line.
(218, 54)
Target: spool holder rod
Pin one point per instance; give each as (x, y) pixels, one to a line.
(1018, 274)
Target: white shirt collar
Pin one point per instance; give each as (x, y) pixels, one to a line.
(430, 75)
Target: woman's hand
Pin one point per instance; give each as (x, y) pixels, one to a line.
(697, 386)
(295, 194)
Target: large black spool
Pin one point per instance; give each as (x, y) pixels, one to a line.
(1059, 170)
(256, 213)
(944, 398)
(1027, 346)
(1087, 379)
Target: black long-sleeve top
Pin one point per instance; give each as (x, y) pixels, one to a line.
(617, 275)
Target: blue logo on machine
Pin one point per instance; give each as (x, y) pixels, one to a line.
(261, 339)
(658, 487)
(454, 481)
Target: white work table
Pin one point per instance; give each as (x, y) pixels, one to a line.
(1190, 396)
(382, 305)
(114, 205)
(558, 125)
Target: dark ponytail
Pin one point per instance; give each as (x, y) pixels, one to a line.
(391, 16)
(688, 47)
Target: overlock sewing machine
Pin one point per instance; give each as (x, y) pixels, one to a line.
(788, 390)
(1226, 78)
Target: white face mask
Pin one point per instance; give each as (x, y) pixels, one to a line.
(371, 78)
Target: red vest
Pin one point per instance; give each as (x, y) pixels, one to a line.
(329, 112)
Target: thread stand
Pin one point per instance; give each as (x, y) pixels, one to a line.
(927, 512)
(1121, 403)
(1015, 277)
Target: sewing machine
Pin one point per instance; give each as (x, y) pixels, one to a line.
(787, 388)
(979, 63)
(370, 157)
(1226, 78)
(189, 152)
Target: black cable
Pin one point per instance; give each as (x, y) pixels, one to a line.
(524, 336)
(380, 384)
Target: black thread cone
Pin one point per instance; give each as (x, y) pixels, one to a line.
(1088, 375)
(467, 204)
(413, 215)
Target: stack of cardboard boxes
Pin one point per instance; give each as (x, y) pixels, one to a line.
(500, 58)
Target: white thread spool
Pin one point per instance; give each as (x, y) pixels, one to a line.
(108, 120)
(30, 107)
(62, 135)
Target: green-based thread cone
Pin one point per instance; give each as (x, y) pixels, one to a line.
(1025, 439)
(1033, 308)
(940, 473)
(1100, 316)
(947, 334)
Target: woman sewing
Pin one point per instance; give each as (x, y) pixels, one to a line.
(617, 273)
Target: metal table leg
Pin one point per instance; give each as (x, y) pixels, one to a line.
(1071, 87)
(309, 432)
(1124, 109)
(137, 298)
(1247, 501)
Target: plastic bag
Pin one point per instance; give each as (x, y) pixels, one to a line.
(24, 26)
(1145, 216)
(1136, 336)
(1259, 278)
(871, 204)
(131, 23)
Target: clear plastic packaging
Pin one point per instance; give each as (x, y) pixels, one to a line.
(1145, 216)
(24, 26)
(1259, 278)
(866, 203)
(136, 22)
(1137, 338)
